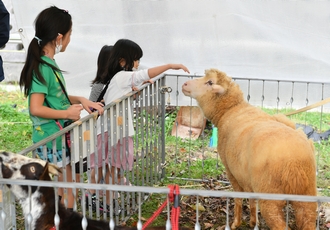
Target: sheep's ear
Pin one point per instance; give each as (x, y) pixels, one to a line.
(218, 89)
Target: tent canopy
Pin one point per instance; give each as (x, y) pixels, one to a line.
(252, 39)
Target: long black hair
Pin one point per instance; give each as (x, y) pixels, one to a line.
(102, 61)
(48, 24)
(122, 49)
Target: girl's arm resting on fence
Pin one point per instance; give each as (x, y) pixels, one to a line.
(87, 104)
(38, 109)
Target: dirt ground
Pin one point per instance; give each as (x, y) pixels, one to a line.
(213, 212)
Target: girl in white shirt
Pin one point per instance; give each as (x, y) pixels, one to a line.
(124, 57)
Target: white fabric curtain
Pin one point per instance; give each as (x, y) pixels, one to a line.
(252, 39)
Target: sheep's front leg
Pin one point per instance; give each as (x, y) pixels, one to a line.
(237, 213)
(253, 213)
(238, 201)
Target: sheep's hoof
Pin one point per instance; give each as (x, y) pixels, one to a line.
(253, 223)
(235, 225)
(222, 227)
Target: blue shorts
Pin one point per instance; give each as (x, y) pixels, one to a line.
(50, 156)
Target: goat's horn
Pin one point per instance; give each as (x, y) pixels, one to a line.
(54, 169)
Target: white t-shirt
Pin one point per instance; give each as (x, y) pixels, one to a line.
(120, 85)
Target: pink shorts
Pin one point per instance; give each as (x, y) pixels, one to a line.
(125, 161)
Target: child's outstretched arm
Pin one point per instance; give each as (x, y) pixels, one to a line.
(155, 71)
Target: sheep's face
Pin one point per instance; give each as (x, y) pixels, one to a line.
(209, 84)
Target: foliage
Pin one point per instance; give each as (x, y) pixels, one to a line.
(15, 123)
(319, 121)
(148, 128)
(169, 120)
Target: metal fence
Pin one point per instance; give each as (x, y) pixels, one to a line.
(197, 195)
(149, 109)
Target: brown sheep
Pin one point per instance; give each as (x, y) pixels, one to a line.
(261, 153)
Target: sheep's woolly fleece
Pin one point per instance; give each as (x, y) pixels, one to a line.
(261, 153)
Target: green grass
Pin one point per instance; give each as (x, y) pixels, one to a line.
(189, 158)
(307, 118)
(15, 124)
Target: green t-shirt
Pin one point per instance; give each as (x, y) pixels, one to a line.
(55, 97)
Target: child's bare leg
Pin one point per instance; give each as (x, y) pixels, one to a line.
(69, 195)
(115, 179)
(95, 180)
(77, 177)
(109, 180)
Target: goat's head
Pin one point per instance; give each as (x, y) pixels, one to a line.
(19, 167)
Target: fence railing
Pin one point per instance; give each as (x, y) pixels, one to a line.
(197, 195)
(148, 112)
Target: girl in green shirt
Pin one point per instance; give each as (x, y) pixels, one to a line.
(45, 88)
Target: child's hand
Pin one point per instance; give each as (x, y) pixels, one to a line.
(95, 106)
(134, 88)
(91, 106)
(179, 66)
(74, 112)
(149, 81)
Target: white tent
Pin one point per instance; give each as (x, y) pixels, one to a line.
(252, 39)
